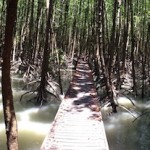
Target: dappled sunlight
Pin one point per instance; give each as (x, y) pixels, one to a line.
(1, 107)
(85, 83)
(86, 94)
(83, 70)
(125, 101)
(83, 77)
(33, 125)
(77, 74)
(81, 94)
(76, 88)
(2, 127)
(102, 47)
(110, 127)
(25, 115)
(79, 118)
(26, 125)
(40, 128)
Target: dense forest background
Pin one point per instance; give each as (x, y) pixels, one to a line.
(113, 36)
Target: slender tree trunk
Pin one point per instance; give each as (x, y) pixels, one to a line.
(37, 34)
(125, 35)
(111, 49)
(8, 106)
(65, 28)
(117, 44)
(145, 52)
(132, 48)
(23, 46)
(46, 54)
(73, 40)
(147, 49)
(2, 14)
(100, 52)
(31, 30)
(59, 74)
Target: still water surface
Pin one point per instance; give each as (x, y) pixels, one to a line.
(34, 123)
(124, 133)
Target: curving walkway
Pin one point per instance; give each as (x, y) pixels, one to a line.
(78, 123)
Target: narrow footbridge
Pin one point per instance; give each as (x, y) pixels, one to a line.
(78, 123)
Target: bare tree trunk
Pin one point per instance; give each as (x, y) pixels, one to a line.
(100, 53)
(132, 48)
(46, 55)
(125, 34)
(8, 106)
(147, 49)
(2, 14)
(37, 32)
(31, 30)
(111, 49)
(145, 52)
(117, 44)
(73, 40)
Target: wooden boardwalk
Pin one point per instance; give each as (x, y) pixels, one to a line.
(78, 123)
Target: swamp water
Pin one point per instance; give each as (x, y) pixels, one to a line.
(124, 131)
(34, 123)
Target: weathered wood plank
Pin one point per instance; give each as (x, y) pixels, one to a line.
(78, 124)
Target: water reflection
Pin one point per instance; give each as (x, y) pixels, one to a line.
(123, 132)
(28, 140)
(33, 122)
(33, 125)
(32, 142)
(120, 130)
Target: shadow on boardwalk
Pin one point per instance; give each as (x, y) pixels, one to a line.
(78, 124)
(82, 87)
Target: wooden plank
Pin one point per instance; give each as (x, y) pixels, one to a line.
(78, 124)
